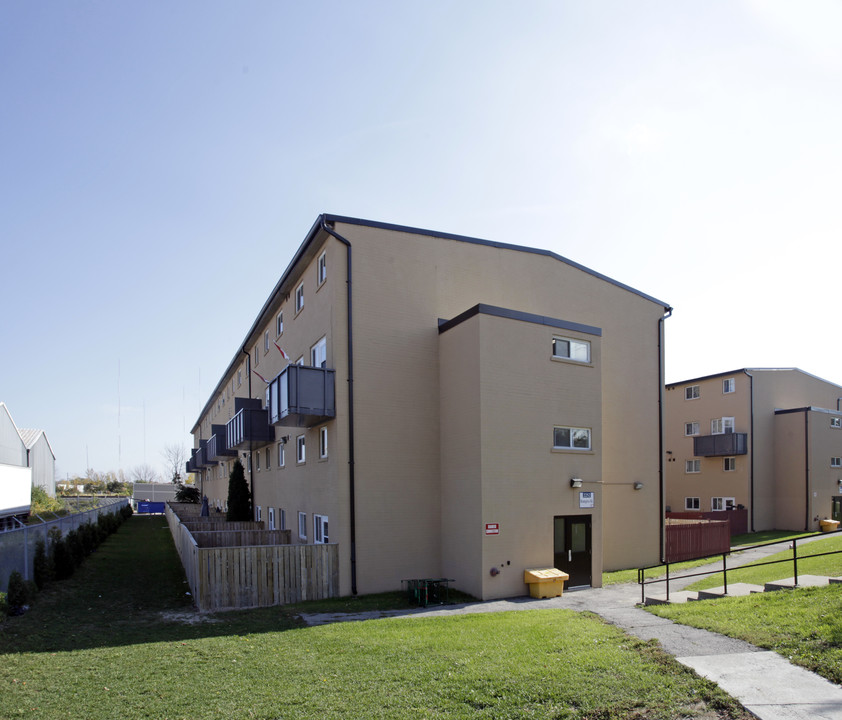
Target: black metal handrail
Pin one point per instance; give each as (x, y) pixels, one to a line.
(641, 572)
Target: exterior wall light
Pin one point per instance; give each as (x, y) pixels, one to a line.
(575, 482)
(638, 486)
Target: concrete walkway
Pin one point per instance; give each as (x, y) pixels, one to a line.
(766, 684)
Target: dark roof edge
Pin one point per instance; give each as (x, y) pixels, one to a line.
(483, 309)
(492, 243)
(808, 408)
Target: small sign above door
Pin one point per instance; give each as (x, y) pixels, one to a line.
(586, 499)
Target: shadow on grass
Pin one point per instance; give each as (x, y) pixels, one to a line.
(133, 590)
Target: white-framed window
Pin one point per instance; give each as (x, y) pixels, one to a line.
(722, 426)
(256, 357)
(300, 361)
(257, 458)
(300, 449)
(323, 441)
(318, 354)
(265, 342)
(321, 270)
(728, 385)
(268, 458)
(266, 397)
(279, 324)
(302, 525)
(729, 464)
(836, 422)
(282, 519)
(571, 438)
(691, 428)
(239, 378)
(271, 518)
(693, 466)
(259, 513)
(248, 463)
(722, 503)
(299, 297)
(692, 503)
(691, 392)
(570, 349)
(320, 536)
(281, 458)
(836, 462)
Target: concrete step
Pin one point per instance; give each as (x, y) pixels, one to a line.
(835, 580)
(680, 596)
(803, 581)
(734, 590)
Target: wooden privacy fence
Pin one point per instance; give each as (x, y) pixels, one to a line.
(690, 539)
(247, 576)
(237, 538)
(738, 517)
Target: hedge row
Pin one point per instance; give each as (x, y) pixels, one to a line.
(58, 558)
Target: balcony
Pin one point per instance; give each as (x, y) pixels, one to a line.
(302, 396)
(249, 428)
(720, 445)
(217, 447)
(191, 465)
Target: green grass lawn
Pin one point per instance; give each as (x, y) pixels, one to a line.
(120, 640)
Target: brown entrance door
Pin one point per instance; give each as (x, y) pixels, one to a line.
(572, 548)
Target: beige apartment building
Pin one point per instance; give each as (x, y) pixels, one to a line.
(444, 406)
(768, 440)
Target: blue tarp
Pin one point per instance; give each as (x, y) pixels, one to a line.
(150, 507)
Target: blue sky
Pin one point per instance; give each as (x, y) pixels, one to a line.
(162, 161)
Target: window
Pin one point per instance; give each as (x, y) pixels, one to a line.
(239, 378)
(300, 361)
(320, 529)
(323, 442)
(835, 462)
(256, 357)
(691, 392)
(265, 342)
(248, 463)
(300, 449)
(691, 428)
(282, 518)
(729, 464)
(268, 459)
(321, 272)
(259, 513)
(691, 503)
(257, 456)
(279, 324)
(836, 422)
(299, 297)
(722, 503)
(728, 385)
(271, 518)
(692, 466)
(281, 458)
(302, 525)
(318, 354)
(722, 426)
(578, 350)
(570, 438)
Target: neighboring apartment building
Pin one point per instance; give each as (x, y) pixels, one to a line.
(443, 406)
(765, 439)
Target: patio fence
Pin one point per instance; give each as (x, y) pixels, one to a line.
(267, 571)
(690, 539)
(17, 547)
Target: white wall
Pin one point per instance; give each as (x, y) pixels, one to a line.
(15, 489)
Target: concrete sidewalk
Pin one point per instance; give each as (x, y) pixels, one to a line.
(765, 683)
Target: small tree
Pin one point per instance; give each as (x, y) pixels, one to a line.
(175, 457)
(187, 494)
(239, 497)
